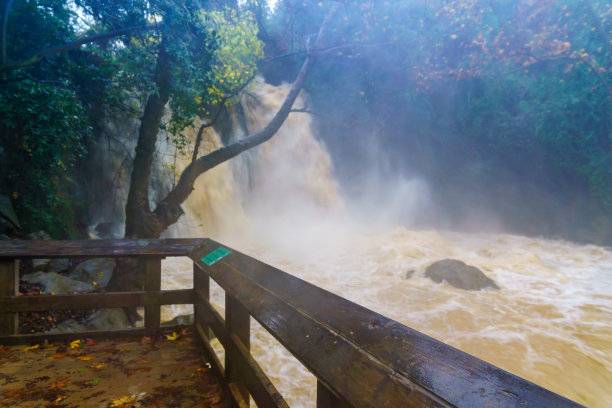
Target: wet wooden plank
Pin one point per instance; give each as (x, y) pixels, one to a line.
(364, 381)
(39, 303)
(209, 318)
(152, 269)
(238, 324)
(326, 399)
(93, 334)
(259, 385)
(9, 286)
(98, 248)
(424, 363)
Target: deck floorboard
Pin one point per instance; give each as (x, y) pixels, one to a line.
(154, 371)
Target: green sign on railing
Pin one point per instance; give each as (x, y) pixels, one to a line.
(215, 255)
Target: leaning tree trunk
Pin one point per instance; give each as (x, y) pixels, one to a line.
(140, 220)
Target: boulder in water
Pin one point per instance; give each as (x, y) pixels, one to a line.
(459, 275)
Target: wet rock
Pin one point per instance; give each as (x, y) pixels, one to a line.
(38, 236)
(59, 264)
(40, 264)
(7, 212)
(181, 319)
(108, 230)
(459, 275)
(97, 270)
(105, 319)
(53, 282)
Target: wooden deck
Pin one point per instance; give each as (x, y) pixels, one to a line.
(162, 370)
(360, 358)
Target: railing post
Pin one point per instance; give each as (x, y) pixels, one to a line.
(152, 268)
(326, 399)
(9, 286)
(201, 285)
(238, 326)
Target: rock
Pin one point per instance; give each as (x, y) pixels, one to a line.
(108, 319)
(59, 264)
(7, 211)
(181, 319)
(108, 230)
(409, 274)
(459, 275)
(104, 319)
(53, 282)
(38, 236)
(40, 264)
(98, 270)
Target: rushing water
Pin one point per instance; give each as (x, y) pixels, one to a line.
(550, 322)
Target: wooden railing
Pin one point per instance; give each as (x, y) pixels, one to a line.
(360, 358)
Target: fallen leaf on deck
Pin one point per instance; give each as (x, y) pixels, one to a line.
(60, 398)
(172, 336)
(87, 357)
(97, 365)
(59, 383)
(56, 356)
(128, 399)
(145, 340)
(31, 348)
(76, 344)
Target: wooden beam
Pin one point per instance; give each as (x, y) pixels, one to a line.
(100, 248)
(237, 323)
(9, 286)
(201, 285)
(93, 334)
(259, 385)
(39, 303)
(327, 399)
(370, 360)
(152, 273)
(210, 319)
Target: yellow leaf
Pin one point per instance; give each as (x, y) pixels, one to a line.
(31, 348)
(75, 344)
(172, 336)
(86, 358)
(127, 399)
(60, 398)
(97, 365)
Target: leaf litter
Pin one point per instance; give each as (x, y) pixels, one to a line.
(154, 371)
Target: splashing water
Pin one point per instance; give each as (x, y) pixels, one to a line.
(550, 322)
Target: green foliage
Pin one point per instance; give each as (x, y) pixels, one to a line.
(480, 97)
(45, 127)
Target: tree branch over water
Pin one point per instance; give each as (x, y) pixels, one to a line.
(167, 210)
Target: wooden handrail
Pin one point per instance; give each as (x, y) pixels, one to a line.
(360, 358)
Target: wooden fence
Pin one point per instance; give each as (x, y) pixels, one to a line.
(360, 358)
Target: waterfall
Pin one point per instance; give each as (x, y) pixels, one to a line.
(549, 323)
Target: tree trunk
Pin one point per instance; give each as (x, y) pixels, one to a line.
(139, 220)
